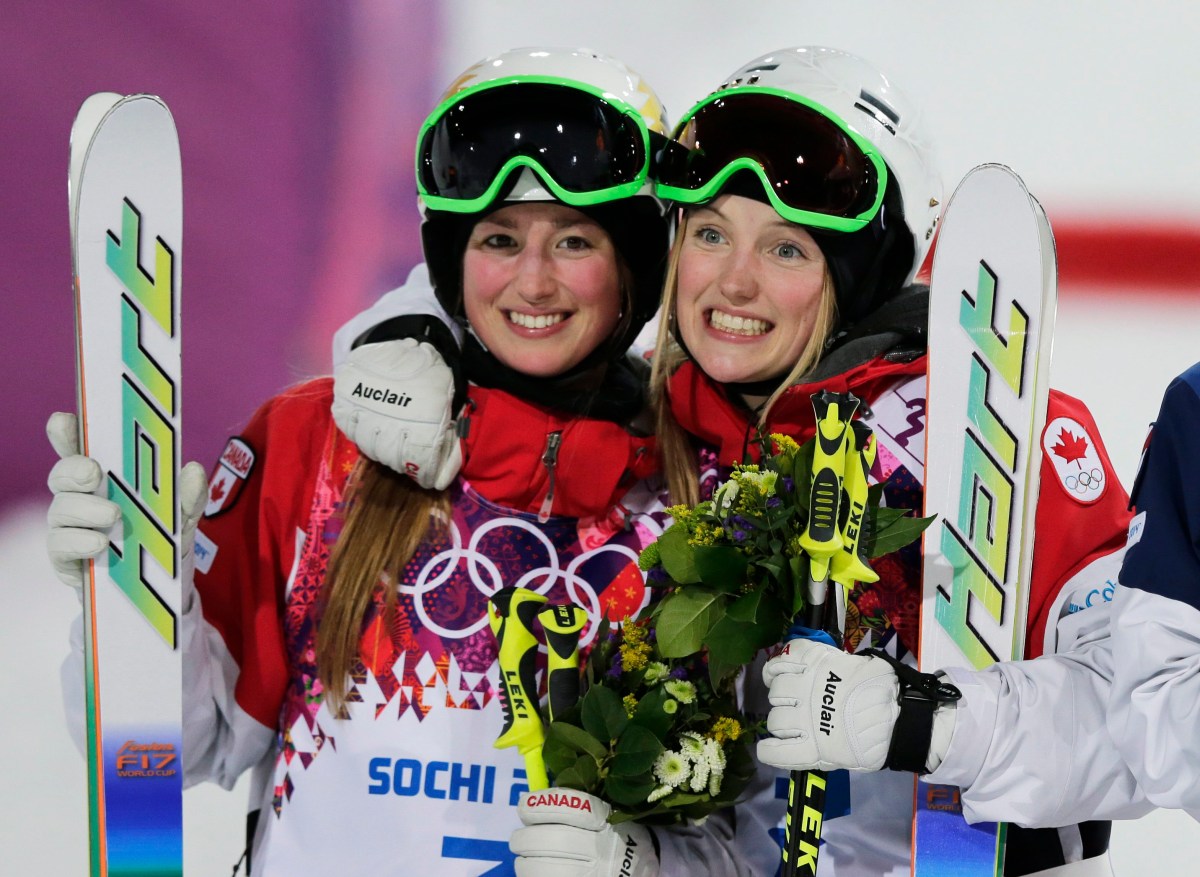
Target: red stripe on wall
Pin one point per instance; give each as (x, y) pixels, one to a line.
(1103, 257)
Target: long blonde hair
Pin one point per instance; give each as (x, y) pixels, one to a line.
(674, 443)
(386, 518)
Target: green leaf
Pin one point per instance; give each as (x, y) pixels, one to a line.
(650, 715)
(730, 646)
(573, 740)
(685, 619)
(603, 714)
(629, 792)
(678, 557)
(635, 752)
(892, 529)
(799, 568)
(720, 566)
(582, 775)
(745, 607)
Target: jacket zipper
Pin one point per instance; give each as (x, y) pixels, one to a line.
(550, 460)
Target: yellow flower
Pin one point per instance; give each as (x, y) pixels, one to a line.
(784, 444)
(724, 729)
(705, 534)
(630, 703)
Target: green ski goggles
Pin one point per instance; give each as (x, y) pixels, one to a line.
(815, 170)
(586, 146)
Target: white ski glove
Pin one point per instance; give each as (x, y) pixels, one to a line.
(80, 520)
(394, 399)
(567, 834)
(832, 710)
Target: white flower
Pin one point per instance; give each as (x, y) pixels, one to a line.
(765, 481)
(699, 775)
(680, 689)
(671, 769)
(691, 746)
(658, 794)
(725, 495)
(714, 784)
(656, 671)
(714, 755)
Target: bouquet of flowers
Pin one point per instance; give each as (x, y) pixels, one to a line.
(658, 734)
(651, 736)
(735, 567)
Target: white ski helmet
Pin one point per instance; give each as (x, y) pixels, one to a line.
(821, 95)
(537, 124)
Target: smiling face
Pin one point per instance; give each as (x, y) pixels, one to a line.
(541, 286)
(748, 289)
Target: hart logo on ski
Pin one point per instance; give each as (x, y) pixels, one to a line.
(225, 486)
(991, 316)
(126, 233)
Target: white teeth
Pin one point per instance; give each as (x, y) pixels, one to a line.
(737, 325)
(540, 321)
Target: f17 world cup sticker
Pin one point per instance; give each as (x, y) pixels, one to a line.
(1078, 467)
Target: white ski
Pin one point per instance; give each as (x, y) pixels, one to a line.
(125, 193)
(991, 324)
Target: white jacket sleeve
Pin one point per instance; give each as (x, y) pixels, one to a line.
(1153, 715)
(220, 740)
(1029, 742)
(416, 296)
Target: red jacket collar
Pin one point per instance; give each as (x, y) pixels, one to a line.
(705, 410)
(597, 461)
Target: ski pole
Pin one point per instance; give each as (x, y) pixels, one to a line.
(850, 565)
(511, 612)
(821, 540)
(562, 624)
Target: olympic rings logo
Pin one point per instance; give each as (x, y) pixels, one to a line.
(1085, 482)
(486, 577)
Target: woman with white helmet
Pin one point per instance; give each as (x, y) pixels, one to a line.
(337, 637)
(810, 197)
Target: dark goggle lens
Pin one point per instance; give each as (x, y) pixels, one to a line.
(810, 161)
(582, 142)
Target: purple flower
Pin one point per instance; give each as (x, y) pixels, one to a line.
(658, 576)
(614, 672)
(788, 484)
(739, 535)
(679, 673)
(774, 502)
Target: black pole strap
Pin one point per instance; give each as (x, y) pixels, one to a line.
(920, 696)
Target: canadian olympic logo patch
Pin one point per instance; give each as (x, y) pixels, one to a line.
(1069, 446)
(234, 467)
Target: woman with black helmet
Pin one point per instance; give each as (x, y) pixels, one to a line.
(810, 200)
(337, 634)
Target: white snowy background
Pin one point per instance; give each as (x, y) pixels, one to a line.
(1093, 104)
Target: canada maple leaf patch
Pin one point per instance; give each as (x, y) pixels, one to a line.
(234, 467)
(1077, 463)
(1070, 447)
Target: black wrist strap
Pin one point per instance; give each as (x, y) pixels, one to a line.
(920, 695)
(428, 328)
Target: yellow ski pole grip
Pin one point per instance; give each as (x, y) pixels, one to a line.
(850, 564)
(511, 612)
(561, 625)
(822, 538)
